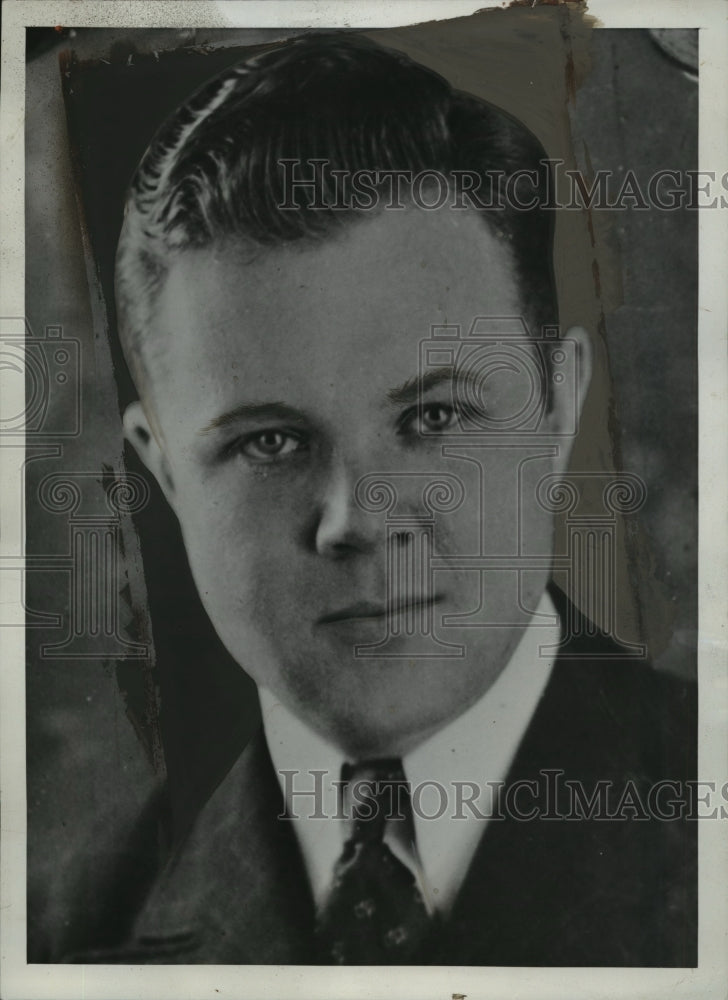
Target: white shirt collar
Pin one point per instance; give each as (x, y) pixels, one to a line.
(477, 748)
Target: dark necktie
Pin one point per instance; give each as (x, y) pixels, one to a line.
(375, 914)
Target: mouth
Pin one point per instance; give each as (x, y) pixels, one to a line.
(365, 610)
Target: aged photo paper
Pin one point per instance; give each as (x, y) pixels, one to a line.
(363, 525)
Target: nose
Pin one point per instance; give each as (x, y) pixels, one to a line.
(342, 529)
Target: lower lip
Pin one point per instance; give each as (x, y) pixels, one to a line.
(348, 634)
(377, 624)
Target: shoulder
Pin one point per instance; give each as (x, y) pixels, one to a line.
(607, 763)
(220, 896)
(608, 699)
(92, 898)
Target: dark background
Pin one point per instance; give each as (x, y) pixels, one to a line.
(88, 772)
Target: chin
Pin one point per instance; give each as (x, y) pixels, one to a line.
(387, 732)
(373, 707)
(368, 744)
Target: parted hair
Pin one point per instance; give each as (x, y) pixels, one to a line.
(217, 168)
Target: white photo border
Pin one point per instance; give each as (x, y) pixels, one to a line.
(21, 981)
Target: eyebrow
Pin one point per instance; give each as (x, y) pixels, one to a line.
(411, 390)
(408, 392)
(253, 411)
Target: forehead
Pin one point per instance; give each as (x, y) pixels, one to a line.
(358, 302)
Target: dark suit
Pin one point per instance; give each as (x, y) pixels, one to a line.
(538, 892)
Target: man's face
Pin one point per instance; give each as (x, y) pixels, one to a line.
(286, 379)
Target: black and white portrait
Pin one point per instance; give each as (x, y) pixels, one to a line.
(361, 492)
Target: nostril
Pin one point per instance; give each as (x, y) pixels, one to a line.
(340, 550)
(342, 544)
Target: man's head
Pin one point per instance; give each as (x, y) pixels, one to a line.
(224, 164)
(276, 343)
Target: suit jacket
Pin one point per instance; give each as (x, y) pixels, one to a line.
(542, 892)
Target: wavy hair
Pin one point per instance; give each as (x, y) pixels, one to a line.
(214, 170)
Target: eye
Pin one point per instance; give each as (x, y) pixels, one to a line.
(429, 418)
(437, 416)
(270, 445)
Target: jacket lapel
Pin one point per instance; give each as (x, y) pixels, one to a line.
(538, 892)
(237, 892)
(586, 891)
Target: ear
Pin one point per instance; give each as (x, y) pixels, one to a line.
(139, 432)
(569, 393)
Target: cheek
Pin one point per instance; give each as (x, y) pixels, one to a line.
(241, 577)
(236, 507)
(500, 517)
(240, 534)
(498, 488)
